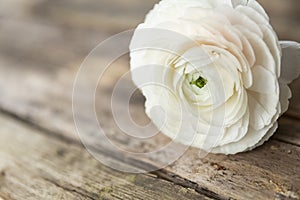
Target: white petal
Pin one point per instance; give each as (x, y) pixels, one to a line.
(263, 81)
(247, 50)
(236, 107)
(252, 14)
(262, 52)
(238, 19)
(285, 95)
(164, 109)
(270, 132)
(251, 138)
(197, 14)
(235, 3)
(272, 42)
(290, 67)
(254, 4)
(266, 137)
(228, 32)
(290, 70)
(263, 107)
(236, 131)
(195, 57)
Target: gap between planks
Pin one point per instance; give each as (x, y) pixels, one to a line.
(56, 170)
(68, 140)
(161, 174)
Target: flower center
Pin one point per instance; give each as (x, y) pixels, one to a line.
(200, 82)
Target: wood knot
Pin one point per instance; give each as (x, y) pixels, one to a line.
(217, 166)
(61, 152)
(2, 173)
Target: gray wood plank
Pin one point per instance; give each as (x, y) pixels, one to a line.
(34, 166)
(273, 166)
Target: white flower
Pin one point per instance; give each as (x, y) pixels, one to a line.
(217, 72)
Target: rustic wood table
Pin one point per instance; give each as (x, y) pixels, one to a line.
(42, 44)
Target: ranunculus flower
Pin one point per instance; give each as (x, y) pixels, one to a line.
(223, 92)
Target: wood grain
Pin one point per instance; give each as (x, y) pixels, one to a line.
(47, 168)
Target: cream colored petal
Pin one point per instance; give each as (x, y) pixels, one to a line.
(285, 95)
(253, 14)
(272, 42)
(236, 107)
(235, 132)
(263, 81)
(251, 138)
(238, 19)
(266, 137)
(263, 107)
(262, 52)
(270, 132)
(255, 5)
(164, 109)
(247, 49)
(290, 69)
(198, 14)
(228, 32)
(236, 3)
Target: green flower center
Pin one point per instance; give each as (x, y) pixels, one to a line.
(200, 82)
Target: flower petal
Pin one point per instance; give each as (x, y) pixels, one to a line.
(263, 81)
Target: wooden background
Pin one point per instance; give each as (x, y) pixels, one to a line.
(42, 44)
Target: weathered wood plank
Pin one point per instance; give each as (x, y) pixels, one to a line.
(294, 109)
(273, 167)
(105, 16)
(289, 129)
(34, 166)
(274, 162)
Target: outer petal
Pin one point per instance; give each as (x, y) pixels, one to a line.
(251, 138)
(290, 70)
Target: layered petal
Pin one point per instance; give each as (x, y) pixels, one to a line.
(212, 72)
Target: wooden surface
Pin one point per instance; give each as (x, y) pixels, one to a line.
(42, 44)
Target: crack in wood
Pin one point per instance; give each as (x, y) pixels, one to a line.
(75, 190)
(28, 122)
(173, 178)
(161, 174)
(286, 142)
